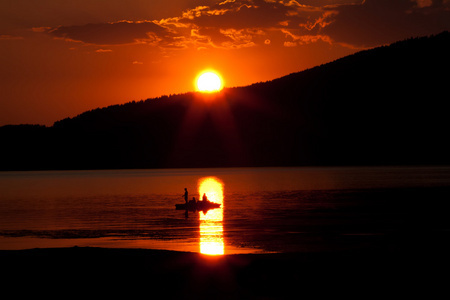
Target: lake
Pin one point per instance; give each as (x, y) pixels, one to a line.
(305, 209)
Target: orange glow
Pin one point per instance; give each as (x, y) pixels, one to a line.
(123, 53)
(209, 82)
(211, 222)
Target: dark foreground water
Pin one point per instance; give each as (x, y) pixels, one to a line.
(263, 209)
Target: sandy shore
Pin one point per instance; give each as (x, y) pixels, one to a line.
(133, 273)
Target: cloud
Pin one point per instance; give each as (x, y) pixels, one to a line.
(290, 44)
(304, 39)
(103, 50)
(238, 15)
(41, 29)
(424, 3)
(10, 37)
(230, 24)
(115, 33)
(241, 23)
(375, 22)
(350, 23)
(234, 24)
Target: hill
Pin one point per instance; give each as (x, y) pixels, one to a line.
(384, 106)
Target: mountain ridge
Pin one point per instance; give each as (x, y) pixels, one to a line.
(379, 106)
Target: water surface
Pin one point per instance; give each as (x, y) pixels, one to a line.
(263, 209)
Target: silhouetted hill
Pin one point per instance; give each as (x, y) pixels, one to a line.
(381, 106)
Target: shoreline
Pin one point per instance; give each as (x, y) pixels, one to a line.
(197, 276)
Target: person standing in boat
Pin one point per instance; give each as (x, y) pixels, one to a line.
(186, 195)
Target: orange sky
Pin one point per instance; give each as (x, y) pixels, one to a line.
(60, 58)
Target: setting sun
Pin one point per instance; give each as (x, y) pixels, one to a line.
(209, 82)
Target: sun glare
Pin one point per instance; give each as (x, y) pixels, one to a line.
(209, 82)
(211, 227)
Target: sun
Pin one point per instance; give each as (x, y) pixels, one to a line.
(209, 82)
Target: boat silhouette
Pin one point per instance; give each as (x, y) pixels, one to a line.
(197, 206)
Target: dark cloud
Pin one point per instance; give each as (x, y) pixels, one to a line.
(123, 32)
(235, 24)
(246, 23)
(10, 37)
(240, 14)
(353, 23)
(376, 22)
(229, 24)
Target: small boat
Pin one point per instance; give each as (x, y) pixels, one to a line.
(199, 206)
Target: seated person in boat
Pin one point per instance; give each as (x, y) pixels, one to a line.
(204, 198)
(193, 201)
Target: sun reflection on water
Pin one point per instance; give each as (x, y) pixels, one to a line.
(211, 222)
